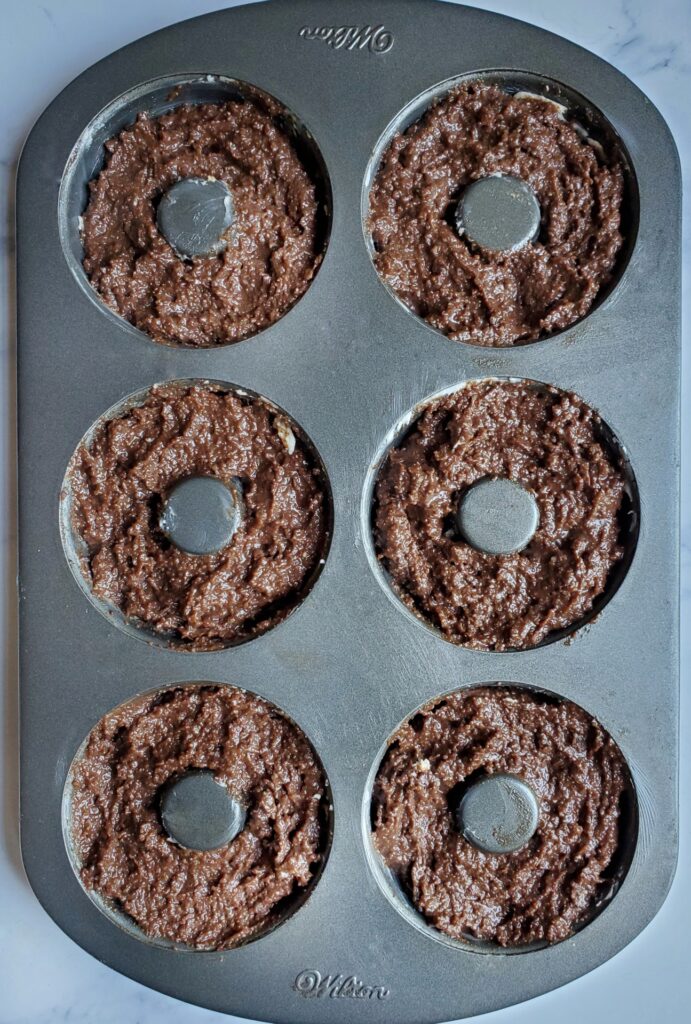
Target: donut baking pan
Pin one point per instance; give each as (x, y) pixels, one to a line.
(352, 363)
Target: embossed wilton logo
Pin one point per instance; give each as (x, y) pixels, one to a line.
(311, 984)
(376, 38)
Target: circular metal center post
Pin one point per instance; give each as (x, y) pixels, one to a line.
(499, 213)
(497, 516)
(498, 814)
(200, 515)
(199, 813)
(194, 215)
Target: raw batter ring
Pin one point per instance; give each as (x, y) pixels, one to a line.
(499, 602)
(116, 841)
(125, 280)
(92, 529)
(466, 286)
(428, 769)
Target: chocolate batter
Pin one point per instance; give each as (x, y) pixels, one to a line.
(544, 439)
(551, 886)
(207, 899)
(485, 297)
(275, 243)
(118, 485)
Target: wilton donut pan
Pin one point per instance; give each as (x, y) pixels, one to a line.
(348, 374)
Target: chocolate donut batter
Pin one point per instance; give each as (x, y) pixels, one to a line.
(119, 482)
(490, 297)
(207, 899)
(275, 243)
(549, 887)
(549, 442)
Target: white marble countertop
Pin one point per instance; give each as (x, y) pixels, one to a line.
(44, 977)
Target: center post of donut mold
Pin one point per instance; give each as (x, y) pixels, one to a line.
(497, 516)
(498, 813)
(199, 813)
(499, 212)
(201, 514)
(194, 215)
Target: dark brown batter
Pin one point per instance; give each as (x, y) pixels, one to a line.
(480, 296)
(275, 243)
(209, 899)
(118, 485)
(544, 439)
(549, 887)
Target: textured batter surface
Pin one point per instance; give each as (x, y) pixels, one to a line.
(275, 242)
(215, 898)
(544, 439)
(480, 296)
(118, 487)
(541, 892)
